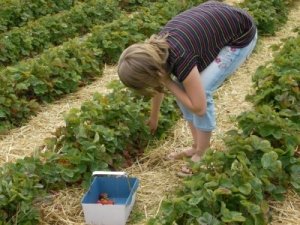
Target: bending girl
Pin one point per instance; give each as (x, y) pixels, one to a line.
(191, 56)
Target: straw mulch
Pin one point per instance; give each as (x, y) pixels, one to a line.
(157, 175)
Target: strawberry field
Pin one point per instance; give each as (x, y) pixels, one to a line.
(63, 115)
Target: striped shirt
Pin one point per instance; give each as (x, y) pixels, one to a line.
(197, 35)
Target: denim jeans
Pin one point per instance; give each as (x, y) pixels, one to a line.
(227, 61)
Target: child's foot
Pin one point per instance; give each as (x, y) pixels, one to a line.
(182, 154)
(196, 157)
(185, 172)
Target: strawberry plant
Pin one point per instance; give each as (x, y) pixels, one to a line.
(50, 30)
(278, 83)
(56, 72)
(115, 37)
(20, 185)
(233, 186)
(269, 15)
(265, 122)
(132, 5)
(16, 12)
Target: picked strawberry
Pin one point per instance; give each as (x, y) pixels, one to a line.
(104, 200)
(110, 202)
(103, 195)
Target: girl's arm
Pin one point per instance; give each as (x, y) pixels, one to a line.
(155, 108)
(193, 97)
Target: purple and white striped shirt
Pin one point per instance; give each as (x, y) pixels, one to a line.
(197, 35)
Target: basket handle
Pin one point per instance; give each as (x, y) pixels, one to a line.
(113, 173)
(109, 173)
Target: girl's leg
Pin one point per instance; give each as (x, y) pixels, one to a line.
(203, 143)
(228, 60)
(190, 151)
(188, 116)
(194, 135)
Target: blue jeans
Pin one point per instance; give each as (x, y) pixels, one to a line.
(228, 60)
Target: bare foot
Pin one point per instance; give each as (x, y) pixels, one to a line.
(196, 157)
(182, 154)
(185, 172)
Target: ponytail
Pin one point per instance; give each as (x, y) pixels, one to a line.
(161, 46)
(141, 65)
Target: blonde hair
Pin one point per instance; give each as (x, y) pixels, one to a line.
(140, 65)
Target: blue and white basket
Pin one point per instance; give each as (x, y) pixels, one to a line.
(120, 188)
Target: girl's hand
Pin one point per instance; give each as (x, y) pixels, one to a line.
(154, 114)
(193, 95)
(153, 124)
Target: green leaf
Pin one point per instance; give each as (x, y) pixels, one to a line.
(208, 219)
(222, 191)
(236, 166)
(252, 208)
(262, 145)
(211, 184)
(295, 176)
(168, 207)
(68, 173)
(194, 211)
(231, 216)
(195, 200)
(269, 159)
(82, 132)
(245, 189)
(2, 114)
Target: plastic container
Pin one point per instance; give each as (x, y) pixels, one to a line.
(120, 188)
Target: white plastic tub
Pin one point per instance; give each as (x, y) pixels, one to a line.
(120, 188)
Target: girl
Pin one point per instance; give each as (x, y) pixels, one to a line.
(191, 56)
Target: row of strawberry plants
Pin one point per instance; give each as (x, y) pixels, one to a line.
(17, 13)
(260, 161)
(269, 15)
(132, 5)
(62, 69)
(50, 30)
(278, 84)
(108, 132)
(41, 34)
